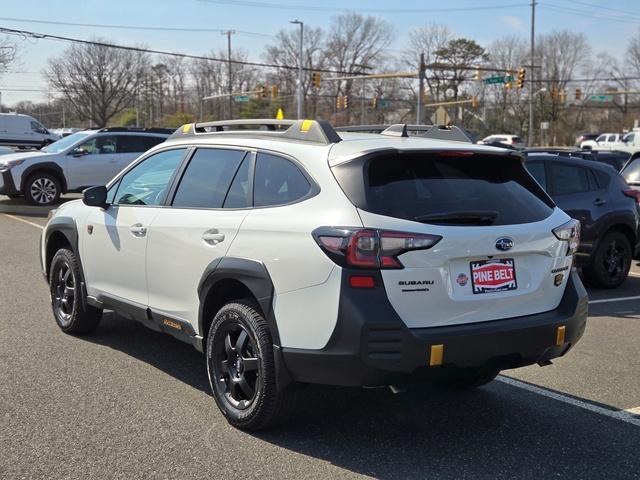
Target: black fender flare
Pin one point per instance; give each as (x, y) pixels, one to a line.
(66, 226)
(252, 274)
(46, 167)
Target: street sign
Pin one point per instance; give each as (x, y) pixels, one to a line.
(601, 98)
(495, 80)
(241, 98)
(383, 103)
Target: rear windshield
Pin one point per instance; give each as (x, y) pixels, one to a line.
(631, 172)
(447, 190)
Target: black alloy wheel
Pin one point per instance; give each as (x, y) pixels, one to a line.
(611, 262)
(236, 366)
(63, 297)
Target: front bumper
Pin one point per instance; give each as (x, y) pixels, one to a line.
(7, 186)
(371, 345)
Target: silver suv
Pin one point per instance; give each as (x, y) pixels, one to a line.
(83, 159)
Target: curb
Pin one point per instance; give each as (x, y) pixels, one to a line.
(25, 210)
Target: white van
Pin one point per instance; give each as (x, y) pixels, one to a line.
(19, 130)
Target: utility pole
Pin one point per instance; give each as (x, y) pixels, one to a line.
(421, 72)
(300, 67)
(533, 71)
(228, 33)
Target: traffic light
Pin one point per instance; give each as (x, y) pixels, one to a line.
(315, 79)
(522, 73)
(374, 103)
(578, 93)
(508, 81)
(345, 102)
(477, 75)
(554, 92)
(563, 96)
(274, 91)
(260, 91)
(342, 102)
(474, 102)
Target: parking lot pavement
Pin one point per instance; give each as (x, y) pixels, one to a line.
(127, 402)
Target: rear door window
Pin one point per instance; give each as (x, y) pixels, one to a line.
(569, 179)
(435, 187)
(207, 178)
(137, 143)
(538, 171)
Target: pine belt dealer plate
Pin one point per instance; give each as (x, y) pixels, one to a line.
(490, 276)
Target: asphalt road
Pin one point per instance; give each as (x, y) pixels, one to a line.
(127, 402)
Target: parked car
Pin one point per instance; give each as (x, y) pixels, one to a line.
(23, 131)
(615, 158)
(605, 141)
(631, 173)
(608, 210)
(513, 140)
(80, 160)
(301, 255)
(585, 136)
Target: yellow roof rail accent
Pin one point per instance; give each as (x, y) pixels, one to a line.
(186, 127)
(306, 125)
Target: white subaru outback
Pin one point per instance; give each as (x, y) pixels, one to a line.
(289, 253)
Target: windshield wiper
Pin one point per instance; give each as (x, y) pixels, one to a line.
(468, 217)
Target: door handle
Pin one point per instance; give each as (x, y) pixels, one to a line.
(598, 202)
(138, 230)
(213, 237)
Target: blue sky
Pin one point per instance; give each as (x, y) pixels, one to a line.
(608, 26)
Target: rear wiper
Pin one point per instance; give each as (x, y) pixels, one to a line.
(468, 217)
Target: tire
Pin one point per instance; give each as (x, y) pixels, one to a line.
(70, 310)
(610, 263)
(241, 369)
(42, 189)
(469, 380)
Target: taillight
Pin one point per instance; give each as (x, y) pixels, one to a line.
(569, 232)
(368, 248)
(633, 193)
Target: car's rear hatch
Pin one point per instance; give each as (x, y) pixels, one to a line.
(498, 256)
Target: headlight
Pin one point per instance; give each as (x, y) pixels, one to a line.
(569, 232)
(4, 167)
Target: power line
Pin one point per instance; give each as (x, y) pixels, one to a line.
(47, 36)
(314, 8)
(600, 7)
(582, 13)
(130, 27)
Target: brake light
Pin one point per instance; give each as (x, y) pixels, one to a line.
(633, 193)
(455, 153)
(368, 248)
(569, 232)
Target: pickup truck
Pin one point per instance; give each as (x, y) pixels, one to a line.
(630, 143)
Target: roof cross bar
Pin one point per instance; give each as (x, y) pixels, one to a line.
(438, 132)
(314, 131)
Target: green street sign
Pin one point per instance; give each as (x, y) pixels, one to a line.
(383, 103)
(493, 80)
(601, 98)
(241, 98)
(496, 80)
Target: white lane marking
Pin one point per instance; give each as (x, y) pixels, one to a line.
(634, 274)
(619, 299)
(633, 411)
(24, 221)
(621, 415)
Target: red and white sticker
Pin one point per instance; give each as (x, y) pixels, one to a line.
(490, 276)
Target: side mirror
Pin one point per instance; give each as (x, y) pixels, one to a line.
(79, 152)
(95, 196)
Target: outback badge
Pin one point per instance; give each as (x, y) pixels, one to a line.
(504, 243)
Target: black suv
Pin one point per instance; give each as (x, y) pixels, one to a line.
(607, 207)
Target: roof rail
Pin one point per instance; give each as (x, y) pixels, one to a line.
(315, 131)
(168, 131)
(438, 132)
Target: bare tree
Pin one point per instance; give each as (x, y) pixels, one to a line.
(355, 44)
(428, 39)
(8, 53)
(633, 53)
(99, 81)
(285, 51)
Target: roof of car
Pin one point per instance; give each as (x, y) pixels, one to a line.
(573, 160)
(303, 135)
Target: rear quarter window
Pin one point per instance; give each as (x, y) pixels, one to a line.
(421, 185)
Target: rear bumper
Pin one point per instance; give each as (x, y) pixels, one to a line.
(372, 346)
